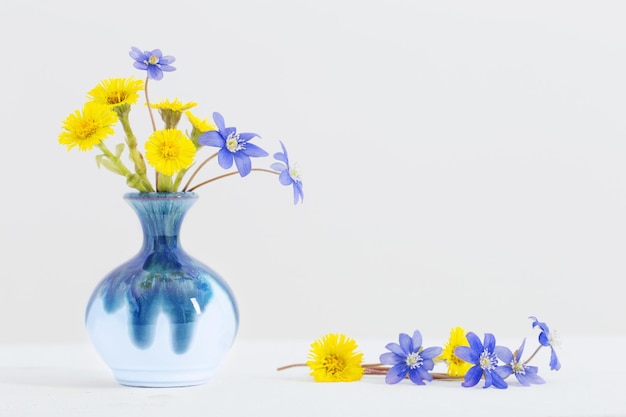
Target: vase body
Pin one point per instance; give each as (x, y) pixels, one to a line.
(162, 318)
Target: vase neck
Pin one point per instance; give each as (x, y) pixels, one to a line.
(161, 216)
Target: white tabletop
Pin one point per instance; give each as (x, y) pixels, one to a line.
(71, 380)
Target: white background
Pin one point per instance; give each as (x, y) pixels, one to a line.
(463, 162)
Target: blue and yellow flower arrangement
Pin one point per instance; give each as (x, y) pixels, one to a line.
(169, 151)
(335, 358)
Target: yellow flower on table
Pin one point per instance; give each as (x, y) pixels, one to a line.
(333, 358)
(456, 365)
(89, 127)
(170, 151)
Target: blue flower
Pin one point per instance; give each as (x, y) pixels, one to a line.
(288, 175)
(234, 146)
(152, 61)
(547, 339)
(525, 374)
(485, 360)
(408, 357)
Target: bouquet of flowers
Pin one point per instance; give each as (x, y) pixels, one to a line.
(171, 152)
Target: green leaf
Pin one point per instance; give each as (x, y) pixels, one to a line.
(99, 160)
(119, 149)
(110, 166)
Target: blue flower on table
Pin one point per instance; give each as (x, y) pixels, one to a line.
(484, 356)
(525, 374)
(152, 61)
(288, 175)
(546, 338)
(408, 357)
(233, 146)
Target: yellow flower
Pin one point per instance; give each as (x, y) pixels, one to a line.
(332, 358)
(171, 111)
(175, 105)
(202, 125)
(117, 91)
(456, 365)
(89, 127)
(169, 151)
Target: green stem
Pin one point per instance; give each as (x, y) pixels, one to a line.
(219, 177)
(132, 179)
(156, 174)
(134, 154)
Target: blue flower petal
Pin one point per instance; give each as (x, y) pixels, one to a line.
(498, 382)
(297, 192)
(254, 151)
(474, 342)
(396, 373)
(543, 339)
(406, 343)
(211, 138)
(520, 351)
(417, 340)
(472, 376)
(278, 166)
(427, 365)
(285, 178)
(167, 68)
(155, 72)
(225, 158)
(415, 377)
(219, 121)
(466, 353)
(431, 352)
(504, 371)
(533, 378)
(390, 358)
(246, 136)
(426, 376)
(555, 365)
(488, 379)
(490, 342)
(244, 165)
(504, 353)
(395, 348)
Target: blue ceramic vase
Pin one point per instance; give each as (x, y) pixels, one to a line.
(162, 319)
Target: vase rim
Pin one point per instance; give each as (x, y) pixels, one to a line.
(161, 196)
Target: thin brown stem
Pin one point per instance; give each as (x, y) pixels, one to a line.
(219, 177)
(533, 355)
(206, 161)
(156, 174)
(148, 104)
(293, 365)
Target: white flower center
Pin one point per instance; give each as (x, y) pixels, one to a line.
(518, 368)
(414, 360)
(294, 173)
(233, 144)
(553, 339)
(488, 361)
